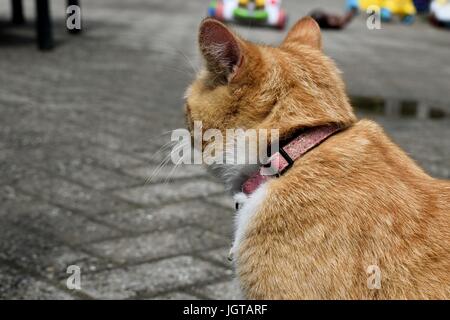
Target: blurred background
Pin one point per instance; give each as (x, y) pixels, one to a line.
(82, 126)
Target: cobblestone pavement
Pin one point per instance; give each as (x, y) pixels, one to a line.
(80, 127)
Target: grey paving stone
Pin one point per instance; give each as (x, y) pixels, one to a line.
(155, 157)
(219, 221)
(5, 153)
(225, 201)
(97, 178)
(111, 159)
(157, 245)
(219, 255)
(175, 296)
(70, 227)
(150, 278)
(91, 165)
(15, 285)
(76, 169)
(152, 173)
(71, 195)
(43, 255)
(48, 130)
(151, 219)
(38, 131)
(13, 200)
(227, 290)
(12, 172)
(108, 119)
(436, 169)
(170, 216)
(167, 192)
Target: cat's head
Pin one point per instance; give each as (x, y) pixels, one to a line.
(245, 85)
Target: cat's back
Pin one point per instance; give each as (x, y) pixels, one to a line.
(416, 246)
(356, 200)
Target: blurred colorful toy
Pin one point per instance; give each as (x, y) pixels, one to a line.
(388, 8)
(422, 5)
(362, 4)
(259, 12)
(332, 21)
(440, 13)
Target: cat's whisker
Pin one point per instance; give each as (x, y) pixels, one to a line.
(185, 72)
(158, 168)
(176, 165)
(162, 150)
(171, 48)
(156, 171)
(166, 146)
(163, 163)
(165, 133)
(172, 172)
(191, 63)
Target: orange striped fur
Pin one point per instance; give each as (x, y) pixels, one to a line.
(354, 201)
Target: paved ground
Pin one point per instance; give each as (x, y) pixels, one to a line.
(80, 127)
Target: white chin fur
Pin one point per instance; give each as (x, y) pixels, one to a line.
(232, 175)
(248, 207)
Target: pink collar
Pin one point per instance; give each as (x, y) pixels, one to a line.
(287, 154)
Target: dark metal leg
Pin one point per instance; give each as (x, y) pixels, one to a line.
(17, 12)
(73, 3)
(44, 25)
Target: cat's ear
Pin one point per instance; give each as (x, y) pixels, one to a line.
(305, 31)
(221, 48)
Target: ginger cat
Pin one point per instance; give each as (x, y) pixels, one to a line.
(355, 200)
